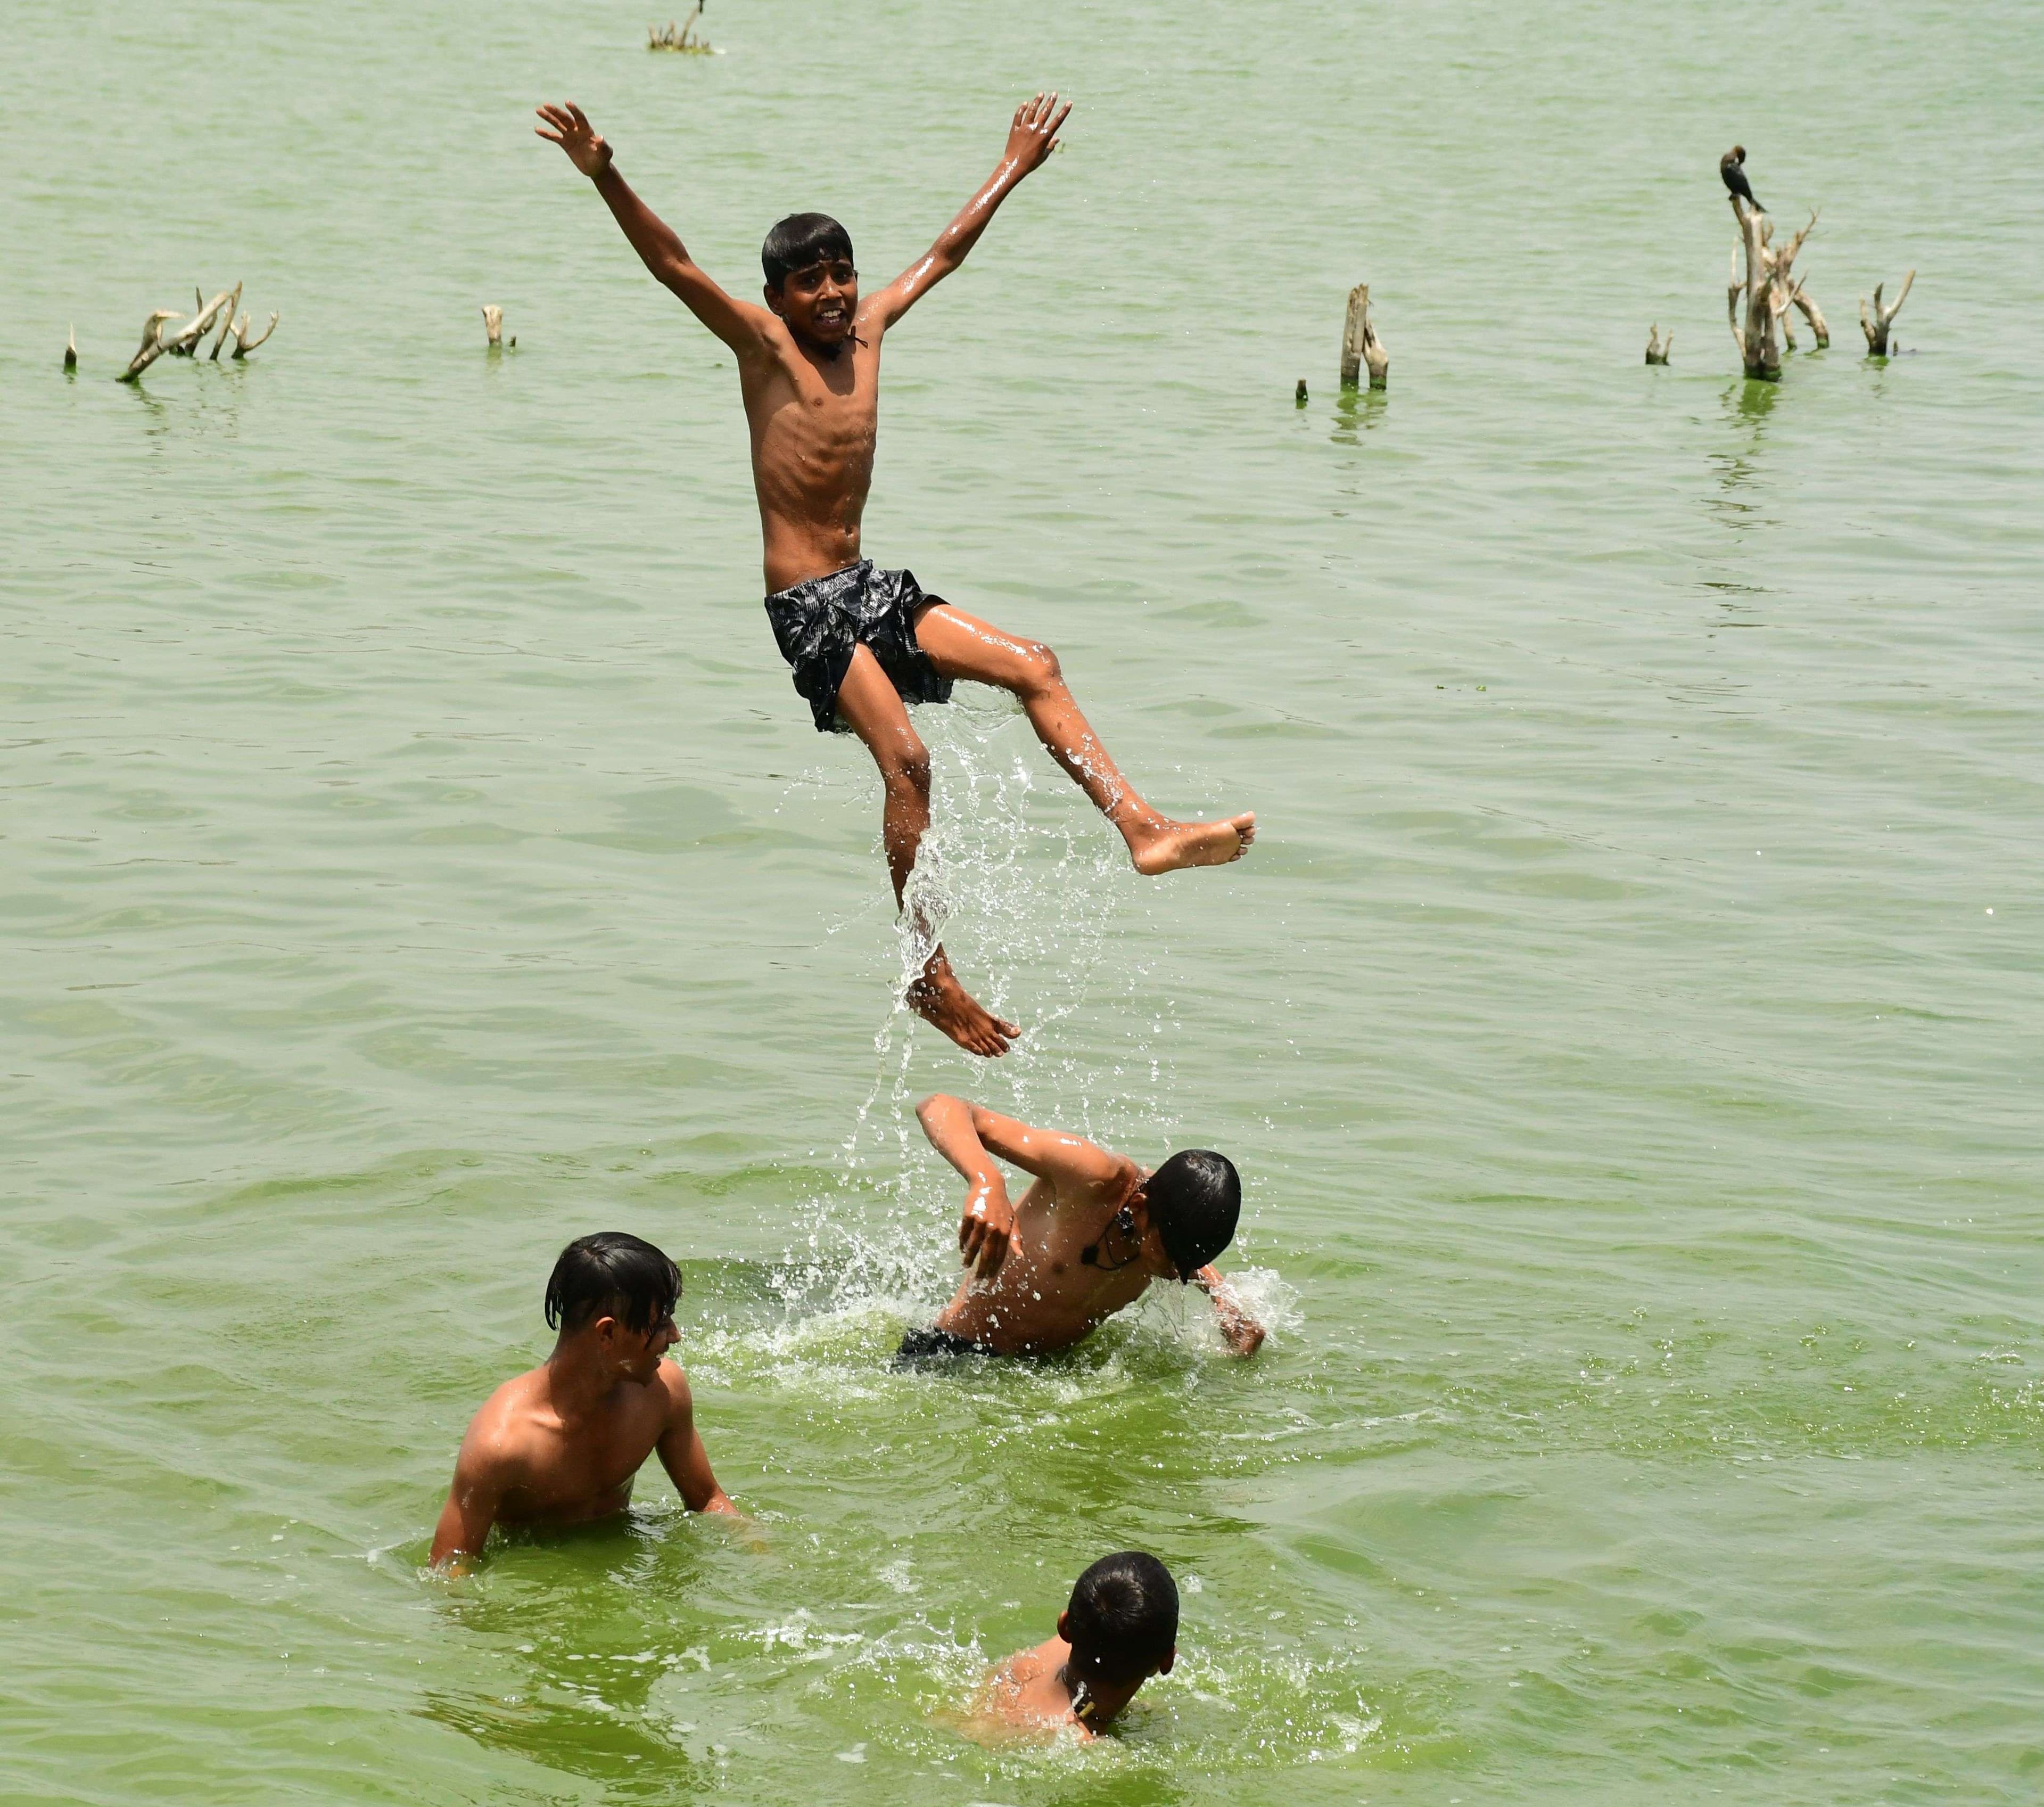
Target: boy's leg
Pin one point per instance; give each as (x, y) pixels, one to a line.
(872, 709)
(961, 646)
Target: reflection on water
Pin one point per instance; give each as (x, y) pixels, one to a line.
(1358, 411)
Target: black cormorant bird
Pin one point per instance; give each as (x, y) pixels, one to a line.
(1731, 167)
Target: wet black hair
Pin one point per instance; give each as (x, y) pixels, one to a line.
(800, 240)
(1123, 1617)
(1195, 1200)
(615, 1274)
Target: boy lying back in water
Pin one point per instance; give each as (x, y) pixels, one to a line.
(864, 642)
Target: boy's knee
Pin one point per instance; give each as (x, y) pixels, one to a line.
(1040, 669)
(904, 766)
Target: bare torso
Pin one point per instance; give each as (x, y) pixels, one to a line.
(814, 421)
(562, 1474)
(1044, 1297)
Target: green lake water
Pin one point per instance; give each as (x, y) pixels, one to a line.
(1629, 1024)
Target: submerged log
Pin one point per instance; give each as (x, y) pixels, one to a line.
(1298, 398)
(70, 351)
(1756, 299)
(1876, 325)
(1360, 343)
(1658, 347)
(493, 324)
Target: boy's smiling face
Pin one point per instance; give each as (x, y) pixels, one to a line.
(820, 302)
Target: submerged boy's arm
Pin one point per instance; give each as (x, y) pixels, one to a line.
(1030, 140)
(659, 247)
(472, 1503)
(681, 1451)
(1245, 1336)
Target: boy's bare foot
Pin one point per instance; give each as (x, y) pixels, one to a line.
(1171, 845)
(941, 1001)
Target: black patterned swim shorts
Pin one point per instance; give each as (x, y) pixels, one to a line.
(818, 624)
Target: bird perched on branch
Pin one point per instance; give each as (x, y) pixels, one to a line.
(1731, 166)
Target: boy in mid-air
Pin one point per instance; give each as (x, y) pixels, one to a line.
(1120, 1629)
(560, 1445)
(863, 642)
(1090, 1234)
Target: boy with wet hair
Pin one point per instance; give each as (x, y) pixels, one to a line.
(562, 1443)
(864, 642)
(1087, 1237)
(1120, 1629)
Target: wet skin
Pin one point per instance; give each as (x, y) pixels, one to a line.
(1032, 1291)
(562, 1443)
(808, 366)
(1034, 1691)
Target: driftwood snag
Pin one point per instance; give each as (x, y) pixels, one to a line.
(1757, 299)
(152, 347)
(1876, 324)
(183, 343)
(1360, 343)
(1298, 398)
(226, 325)
(493, 324)
(70, 351)
(669, 38)
(180, 343)
(1658, 347)
(242, 344)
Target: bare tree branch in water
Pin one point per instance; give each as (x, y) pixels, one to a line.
(1360, 343)
(1876, 324)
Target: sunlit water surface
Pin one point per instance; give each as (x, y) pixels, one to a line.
(1629, 1023)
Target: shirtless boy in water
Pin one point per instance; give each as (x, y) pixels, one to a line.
(1120, 1627)
(561, 1444)
(1089, 1236)
(863, 642)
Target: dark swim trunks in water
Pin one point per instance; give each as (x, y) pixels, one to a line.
(818, 624)
(934, 1345)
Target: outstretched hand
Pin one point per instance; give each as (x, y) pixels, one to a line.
(1034, 134)
(573, 132)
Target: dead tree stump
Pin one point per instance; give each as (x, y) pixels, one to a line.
(1756, 299)
(1360, 343)
(1658, 347)
(1876, 324)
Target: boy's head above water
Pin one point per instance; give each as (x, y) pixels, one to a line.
(1195, 1202)
(622, 1291)
(812, 283)
(1122, 1624)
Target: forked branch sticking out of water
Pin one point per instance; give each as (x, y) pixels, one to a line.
(158, 340)
(1658, 347)
(1875, 324)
